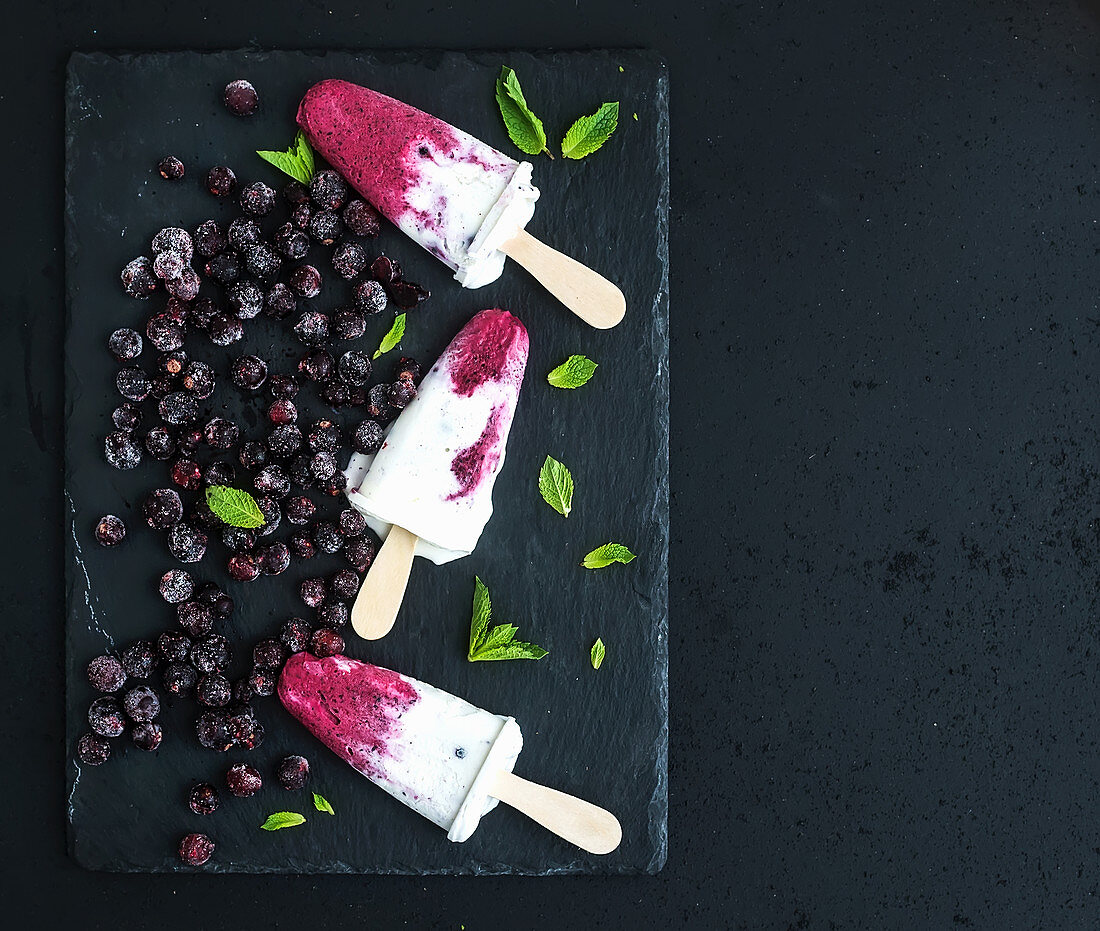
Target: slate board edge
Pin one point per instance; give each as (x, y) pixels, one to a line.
(658, 807)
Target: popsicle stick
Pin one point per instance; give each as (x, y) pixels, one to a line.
(590, 296)
(589, 827)
(383, 589)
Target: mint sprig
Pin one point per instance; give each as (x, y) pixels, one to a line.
(524, 128)
(497, 643)
(588, 133)
(322, 804)
(598, 653)
(297, 161)
(605, 555)
(572, 373)
(392, 338)
(234, 507)
(282, 819)
(556, 486)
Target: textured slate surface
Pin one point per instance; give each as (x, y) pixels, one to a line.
(600, 735)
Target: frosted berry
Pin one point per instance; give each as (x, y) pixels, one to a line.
(240, 98)
(110, 530)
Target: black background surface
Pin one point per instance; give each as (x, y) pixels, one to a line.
(885, 537)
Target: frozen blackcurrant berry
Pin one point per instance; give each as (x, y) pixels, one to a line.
(328, 190)
(168, 265)
(196, 849)
(110, 530)
(300, 216)
(313, 591)
(284, 440)
(172, 363)
(133, 384)
(263, 681)
(298, 470)
(291, 241)
(239, 539)
(162, 510)
(186, 543)
(249, 372)
(273, 515)
(176, 586)
(174, 239)
(351, 523)
(316, 365)
(210, 654)
(105, 717)
(139, 659)
(173, 647)
(344, 584)
(218, 600)
(325, 642)
(370, 297)
(408, 370)
(262, 261)
(384, 270)
(354, 368)
(269, 653)
(245, 299)
(196, 618)
(407, 295)
(244, 231)
(274, 559)
(105, 673)
(401, 392)
(198, 378)
(335, 485)
(147, 735)
(323, 436)
(282, 412)
(301, 545)
(185, 286)
(252, 454)
(359, 553)
(305, 281)
(257, 199)
(349, 259)
(335, 392)
(125, 344)
(138, 279)
(312, 328)
(141, 703)
(283, 387)
(217, 473)
(243, 567)
(325, 226)
(326, 536)
(186, 474)
(243, 780)
(279, 302)
(292, 772)
(203, 310)
(368, 437)
(221, 181)
(241, 98)
(242, 691)
(272, 480)
(378, 403)
(213, 690)
(361, 218)
(224, 268)
(178, 408)
(121, 451)
(294, 634)
(179, 679)
(333, 615)
(221, 433)
(323, 465)
(93, 749)
(203, 799)
(225, 330)
(348, 323)
(299, 510)
(295, 193)
(209, 239)
(170, 168)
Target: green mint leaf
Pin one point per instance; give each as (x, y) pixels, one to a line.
(607, 554)
(282, 819)
(524, 128)
(233, 506)
(598, 652)
(556, 486)
(590, 132)
(391, 339)
(635, 117)
(297, 161)
(498, 643)
(572, 373)
(322, 804)
(482, 611)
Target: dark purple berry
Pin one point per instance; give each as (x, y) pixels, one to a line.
(221, 433)
(213, 731)
(196, 849)
(187, 474)
(186, 543)
(176, 586)
(221, 181)
(133, 384)
(408, 370)
(326, 536)
(325, 226)
(316, 365)
(295, 634)
(138, 279)
(283, 387)
(105, 717)
(368, 437)
(283, 412)
(198, 378)
(243, 780)
(328, 190)
(348, 324)
(224, 268)
(249, 372)
(203, 310)
(296, 193)
(332, 615)
(245, 298)
(354, 368)
(105, 673)
(269, 653)
(210, 654)
(335, 392)
(280, 303)
(299, 471)
(196, 618)
(225, 330)
(323, 436)
(349, 259)
(185, 286)
(203, 799)
(213, 690)
(141, 703)
(162, 509)
(170, 168)
(252, 454)
(313, 591)
(401, 393)
(269, 507)
(325, 642)
(285, 439)
(274, 559)
(243, 567)
(173, 647)
(262, 261)
(300, 216)
(125, 344)
(147, 735)
(257, 199)
(110, 530)
(301, 545)
(361, 218)
(291, 242)
(240, 98)
(384, 270)
(93, 750)
(179, 407)
(370, 297)
(293, 772)
(335, 485)
(217, 473)
(352, 524)
(244, 231)
(305, 281)
(359, 553)
(299, 510)
(323, 465)
(139, 659)
(209, 239)
(179, 679)
(239, 539)
(272, 480)
(407, 295)
(168, 265)
(263, 682)
(378, 403)
(312, 328)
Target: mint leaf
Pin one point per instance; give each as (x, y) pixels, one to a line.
(297, 161)
(572, 373)
(556, 486)
(524, 128)
(391, 339)
(233, 506)
(588, 133)
(498, 643)
(282, 819)
(322, 804)
(607, 554)
(598, 652)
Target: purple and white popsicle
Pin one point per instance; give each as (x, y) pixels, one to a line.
(435, 472)
(456, 196)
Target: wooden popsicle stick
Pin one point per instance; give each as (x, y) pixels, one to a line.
(383, 589)
(590, 296)
(589, 827)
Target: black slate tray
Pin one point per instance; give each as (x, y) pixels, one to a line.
(601, 735)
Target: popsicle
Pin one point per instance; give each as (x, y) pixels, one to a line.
(460, 199)
(446, 759)
(429, 490)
